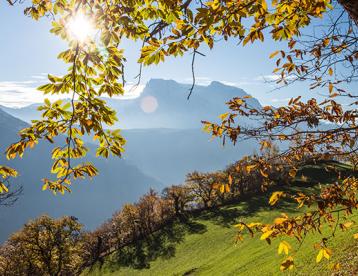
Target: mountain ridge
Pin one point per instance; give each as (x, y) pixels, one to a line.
(171, 108)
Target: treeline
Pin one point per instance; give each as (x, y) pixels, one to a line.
(47, 246)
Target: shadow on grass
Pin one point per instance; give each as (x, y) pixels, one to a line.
(161, 244)
(326, 172)
(243, 207)
(306, 180)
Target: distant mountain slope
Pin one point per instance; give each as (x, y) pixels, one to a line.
(173, 109)
(9, 126)
(91, 201)
(25, 114)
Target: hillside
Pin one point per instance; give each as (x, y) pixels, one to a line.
(119, 182)
(204, 245)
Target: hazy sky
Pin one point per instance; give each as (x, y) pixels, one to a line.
(28, 53)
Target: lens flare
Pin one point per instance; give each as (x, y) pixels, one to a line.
(80, 27)
(149, 104)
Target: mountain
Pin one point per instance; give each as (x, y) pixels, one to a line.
(164, 104)
(173, 109)
(25, 114)
(91, 201)
(9, 127)
(169, 144)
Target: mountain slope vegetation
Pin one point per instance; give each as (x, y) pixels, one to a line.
(204, 243)
(206, 246)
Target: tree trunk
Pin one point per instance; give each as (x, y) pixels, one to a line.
(351, 6)
(177, 206)
(241, 189)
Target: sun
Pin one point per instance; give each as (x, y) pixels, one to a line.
(80, 27)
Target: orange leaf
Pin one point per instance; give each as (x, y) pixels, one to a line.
(330, 71)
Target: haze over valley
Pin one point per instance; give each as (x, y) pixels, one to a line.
(163, 146)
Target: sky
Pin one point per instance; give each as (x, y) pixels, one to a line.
(29, 51)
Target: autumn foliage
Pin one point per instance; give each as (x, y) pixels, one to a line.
(316, 129)
(44, 247)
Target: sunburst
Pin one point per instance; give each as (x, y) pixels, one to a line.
(80, 27)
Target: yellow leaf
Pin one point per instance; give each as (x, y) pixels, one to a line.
(284, 247)
(223, 116)
(319, 256)
(250, 168)
(327, 253)
(266, 235)
(275, 197)
(326, 41)
(240, 226)
(222, 189)
(239, 101)
(324, 252)
(280, 220)
(274, 54)
(333, 95)
(88, 122)
(3, 188)
(253, 224)
(347, 224)
(355, 236)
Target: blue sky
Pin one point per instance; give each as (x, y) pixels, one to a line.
(28, 53)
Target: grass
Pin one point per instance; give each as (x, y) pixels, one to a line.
(204, 245)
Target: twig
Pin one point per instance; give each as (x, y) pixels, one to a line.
(193, 75)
